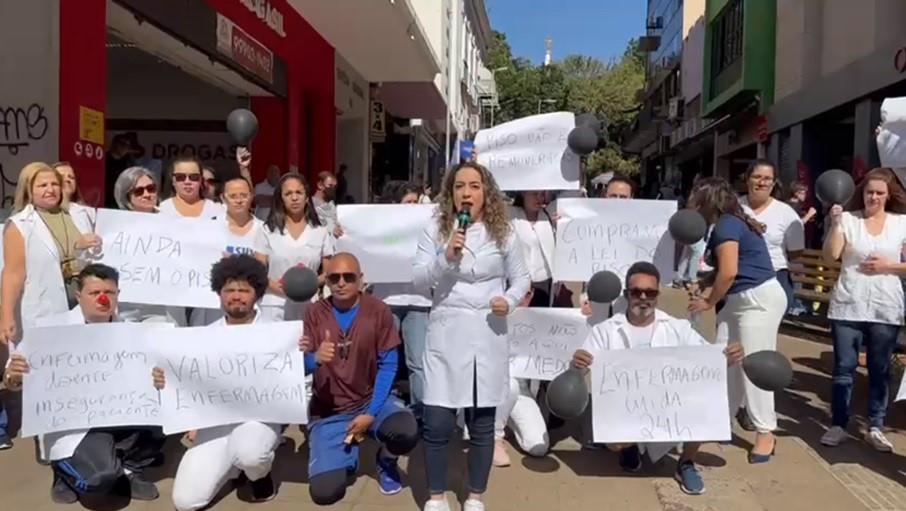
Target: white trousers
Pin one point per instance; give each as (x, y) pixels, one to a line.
(219, 455)
(753, 318)
(521, 413)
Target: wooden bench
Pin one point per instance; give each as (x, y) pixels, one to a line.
(816, 276)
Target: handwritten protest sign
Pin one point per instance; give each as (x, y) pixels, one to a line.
(218, 375)
(384, 237)
(88, 376)
(891, 137)
(660, 395)
(531, 153)
(611, 234)
(162, 260)
(542, 341)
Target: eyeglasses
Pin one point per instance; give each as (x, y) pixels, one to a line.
(179, 178)
(138, 191)
(643, 294)
(349, 278)
(210, 180)
(236, 197)
(762, 179)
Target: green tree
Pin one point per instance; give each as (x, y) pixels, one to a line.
(577, 84)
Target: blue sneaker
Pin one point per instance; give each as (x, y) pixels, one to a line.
(388, 473)
(689, 479)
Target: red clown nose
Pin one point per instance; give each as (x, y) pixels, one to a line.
(104, 300)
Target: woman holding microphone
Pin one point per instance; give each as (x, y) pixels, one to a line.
(471, 259)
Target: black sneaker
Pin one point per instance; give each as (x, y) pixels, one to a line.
(631, 459)
(5, 442)
(263, 489)
(141, 488)
(61, 493)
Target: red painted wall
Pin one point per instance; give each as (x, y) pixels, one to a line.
(309, 125)
(269, 146)
(83, 82)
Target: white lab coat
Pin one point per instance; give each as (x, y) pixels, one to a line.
(465, 341)
(44, 293)
(527, 232)
(669, 332)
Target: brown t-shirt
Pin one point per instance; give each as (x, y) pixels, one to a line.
(346, 385)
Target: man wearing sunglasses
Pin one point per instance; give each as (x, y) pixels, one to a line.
(643, 326)
(353, 352)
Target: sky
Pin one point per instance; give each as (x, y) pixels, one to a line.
(598, 28)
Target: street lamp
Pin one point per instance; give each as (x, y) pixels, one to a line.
(545, 101)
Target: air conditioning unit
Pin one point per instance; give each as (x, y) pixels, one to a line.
(655, 23)
(649, 43)
(675, 108)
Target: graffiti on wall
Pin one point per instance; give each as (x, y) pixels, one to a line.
(20, 127)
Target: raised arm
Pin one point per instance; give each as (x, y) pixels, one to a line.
(835, 242)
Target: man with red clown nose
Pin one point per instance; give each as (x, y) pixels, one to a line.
(97, 460)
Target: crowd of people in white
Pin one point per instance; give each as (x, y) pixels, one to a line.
(355, 336)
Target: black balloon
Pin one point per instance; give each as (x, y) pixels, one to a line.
(687, 226)
(582, 140)
(567, 394)
(242, 125)
(835, 187)
(604, 287)
(768, 370)
(300, 284)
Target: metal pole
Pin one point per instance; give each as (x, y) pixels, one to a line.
(451, 61)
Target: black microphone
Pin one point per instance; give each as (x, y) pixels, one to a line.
(464, 217)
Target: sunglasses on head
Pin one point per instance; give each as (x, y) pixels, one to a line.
(349, 278)
(179, 178)
(643, 294)
(138, 191)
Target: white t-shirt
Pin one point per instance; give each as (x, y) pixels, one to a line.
(284, 252)
(861, 297)
(247, 244)
(784, 231)
(210, 210)
(640, 336)
(263, 188)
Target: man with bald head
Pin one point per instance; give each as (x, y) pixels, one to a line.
(352, 346)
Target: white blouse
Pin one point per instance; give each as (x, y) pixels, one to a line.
(784, 231)
(210, 209)
(284, 252)
(537, 240)
(861, 297)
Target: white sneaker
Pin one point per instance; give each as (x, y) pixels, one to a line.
(436, 505)
(876, 438)
(473, 505)
(834, 436)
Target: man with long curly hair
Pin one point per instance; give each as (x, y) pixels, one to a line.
(244, 452)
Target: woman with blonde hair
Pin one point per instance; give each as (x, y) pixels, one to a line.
(472, 260)
(40, 236)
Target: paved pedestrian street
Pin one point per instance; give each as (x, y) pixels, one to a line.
(803, 476)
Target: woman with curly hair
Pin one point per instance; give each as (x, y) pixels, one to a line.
(473, 262)
(754, 301)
